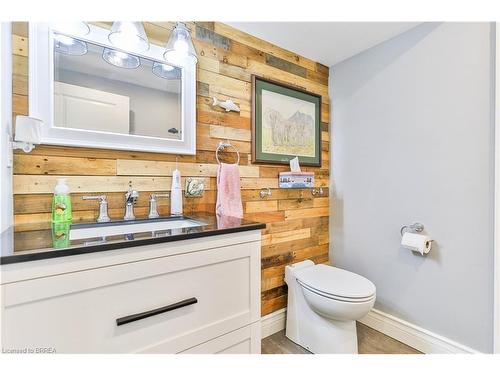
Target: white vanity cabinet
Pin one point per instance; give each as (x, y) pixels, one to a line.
(194, 296)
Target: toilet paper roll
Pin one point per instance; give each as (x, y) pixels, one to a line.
(416, 242)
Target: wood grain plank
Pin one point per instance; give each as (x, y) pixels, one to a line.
(26, 184)
(288, 246)
(307, 212)
(207, 35)
(287, 66)
(20, 65)
(274, 238)
(260, 183)
(283, 226)
(269, 305)
(226, 132)
(59, 165)
(225, 85)
(20, 104)
(265, 217)
(20, 28)
(20, 84)
(163, 168)
(264, 206)
(111, 154)
(19, 45)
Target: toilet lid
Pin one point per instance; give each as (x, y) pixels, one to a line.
(336, 281)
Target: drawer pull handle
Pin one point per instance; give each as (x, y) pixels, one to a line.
(160, 310)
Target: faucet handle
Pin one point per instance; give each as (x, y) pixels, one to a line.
(100, 198)
(131, 196)
(153, 206)
(155, 196)
(103, 207)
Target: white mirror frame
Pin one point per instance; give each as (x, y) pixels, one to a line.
(41, 99)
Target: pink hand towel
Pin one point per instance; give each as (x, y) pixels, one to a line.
(228, 191)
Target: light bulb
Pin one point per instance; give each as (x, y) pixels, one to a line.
(166, 71)
(120, 55)
(129, 36)
(69, 46)
(64, 39)
(120, 59)
(181, 47)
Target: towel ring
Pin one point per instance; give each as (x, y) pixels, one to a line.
(221, 147)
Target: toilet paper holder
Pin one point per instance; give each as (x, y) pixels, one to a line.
(415, 227)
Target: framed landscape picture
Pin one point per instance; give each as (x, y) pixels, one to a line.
(286, 122)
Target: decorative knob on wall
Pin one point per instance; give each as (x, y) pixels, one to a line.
(317, 192)
(265, 193)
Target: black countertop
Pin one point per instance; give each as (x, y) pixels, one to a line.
(30, 242)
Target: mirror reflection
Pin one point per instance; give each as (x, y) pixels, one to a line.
(103, 89)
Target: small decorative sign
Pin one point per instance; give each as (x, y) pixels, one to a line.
(296, 180)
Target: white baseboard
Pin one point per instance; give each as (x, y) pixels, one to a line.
(274, 322)
(419, 338)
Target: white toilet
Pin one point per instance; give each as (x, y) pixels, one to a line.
(324, 303)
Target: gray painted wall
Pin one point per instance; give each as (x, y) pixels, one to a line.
(413, 128)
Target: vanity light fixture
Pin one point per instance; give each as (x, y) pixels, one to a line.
(129, 36)
(66, 44)
(166, 71)
(180, 45)
(69, 46)
(120, 59)
(77, 28)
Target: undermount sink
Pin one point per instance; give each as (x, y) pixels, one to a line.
(82, 231)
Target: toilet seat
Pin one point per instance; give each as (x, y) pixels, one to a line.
(336, 283)
(337, 298)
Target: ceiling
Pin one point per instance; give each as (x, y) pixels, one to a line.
(325, 42)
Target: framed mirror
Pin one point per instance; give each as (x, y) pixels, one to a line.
(89, 93)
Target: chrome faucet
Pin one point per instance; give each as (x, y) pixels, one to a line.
(130, 198)
(103, 207)
(153, 204)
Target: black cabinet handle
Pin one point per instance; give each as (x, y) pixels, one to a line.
(160, 310)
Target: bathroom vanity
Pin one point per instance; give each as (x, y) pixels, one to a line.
(190, 285)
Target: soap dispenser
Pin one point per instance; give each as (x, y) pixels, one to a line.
(61, 215)
(61, 202)
(176, 193)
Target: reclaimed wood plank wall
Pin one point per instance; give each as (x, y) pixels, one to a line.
(297, 223)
